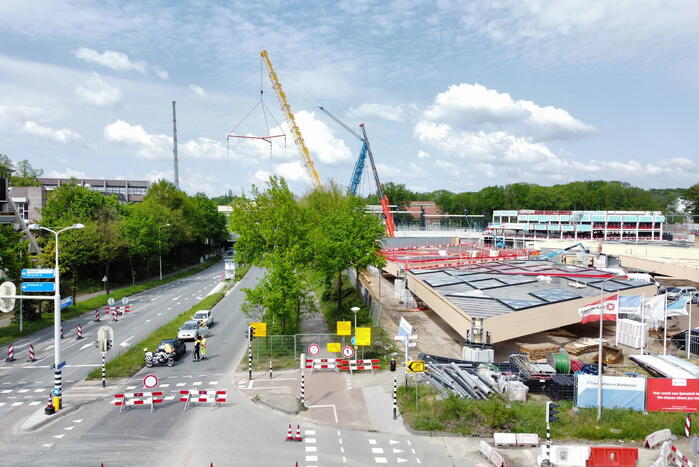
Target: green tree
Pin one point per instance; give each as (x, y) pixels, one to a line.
(692, 198)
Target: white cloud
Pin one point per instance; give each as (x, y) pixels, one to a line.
(423, 154)
(160, 73)
(60, 135)
(204, 148)
(118, 61)
(393, 113)
(323, 145)
(115, 60)
(151, 146)
(67, 173)
(12, 117)
(96, 91)
(155, 175)
(467, 105)
(198, 90)
(292, 171)
(262, 175)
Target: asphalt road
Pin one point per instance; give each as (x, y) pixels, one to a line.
(24, 386)
(239, 433)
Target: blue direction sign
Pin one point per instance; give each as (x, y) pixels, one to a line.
(354, 340)
(38, 286)
(61, 365)
(37, 273)
(66, 302)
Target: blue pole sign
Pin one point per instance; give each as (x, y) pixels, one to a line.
(37, 273)
(66, 302)
(354, 340)
(61, 365)
(38, 286)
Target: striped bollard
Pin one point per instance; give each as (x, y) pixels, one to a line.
(303, 392)
(104, 372)
(249, 361)
(61, 331)
(32, 358)
(79, 331)
(10, 353)
(270, 369)
(97, 315)
(114, 314)
(688, 425)
(395, 407)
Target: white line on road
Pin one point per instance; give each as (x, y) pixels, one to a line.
(380, 460)
(311, 440)
(161, 313)
(80, 420)
(147, 321)
(396, 451)
(48, 445)
(35, 403)
(377, 450)
(311, 458)
(85, 346)
(59, 436)
(154, 298)
(311, 449)
(372, 441)
(324, 406)
(69, 428)
(391, 442)
(177, 298)
(39, 390)
(126, 342)
(399, 460)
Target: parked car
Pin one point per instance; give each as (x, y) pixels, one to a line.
(682, 291)
(204, 316)
(173, 345)
(680, 340)
(190, 330)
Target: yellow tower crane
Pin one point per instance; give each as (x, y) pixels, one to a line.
(286, 108)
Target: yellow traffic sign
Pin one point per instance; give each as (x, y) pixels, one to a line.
(344, 328)
(416, 366)
(334, 347)
(363, 336)
(260, 329)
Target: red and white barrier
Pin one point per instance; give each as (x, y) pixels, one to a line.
(670, 454)
(79, 331)
(32, 357)
(688, 425)
(215, 398)
(127, 399)
(335, 364)
(97, 315)
(362, 365)
(10, 353)
(122, 310)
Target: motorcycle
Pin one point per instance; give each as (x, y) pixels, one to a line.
(159, 358)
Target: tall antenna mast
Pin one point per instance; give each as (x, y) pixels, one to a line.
(174, 146)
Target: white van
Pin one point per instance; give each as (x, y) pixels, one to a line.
(680, 291)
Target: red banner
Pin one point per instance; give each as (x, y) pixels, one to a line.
(666, 394)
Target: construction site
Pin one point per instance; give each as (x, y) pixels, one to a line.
(550, 302)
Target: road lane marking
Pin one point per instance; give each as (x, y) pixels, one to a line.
(6, 391)
(16, 404)
(126, 342)
(48, 445)
(180, 384)
(372, 441)
(147, 321)
(380, 460)
(177, 298)
(39, 390)
(166, 385)
(311, 449)
(311, 458)
(311, 440)
(80, 420)
(213, 383)
(396, 451)
(22, 391)
(59, 436)
(399, 460)
(391, 442)
(35, 403)
(128, 388)
(377, 450)
(160, 313)
(85, 346)
(2, 403)
(69, 428)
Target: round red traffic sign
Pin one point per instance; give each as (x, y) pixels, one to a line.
(313, 349)
(150, 381)
(348, 351)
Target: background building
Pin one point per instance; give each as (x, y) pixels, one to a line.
(129, 191)
(583, 225)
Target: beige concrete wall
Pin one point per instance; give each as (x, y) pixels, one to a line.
(509, 325)
(454, 317)
(674, 268)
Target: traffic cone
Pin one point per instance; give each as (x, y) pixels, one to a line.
(50, 410)
(298, 433)
(289, 436)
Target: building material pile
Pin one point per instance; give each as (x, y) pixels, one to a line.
(538, 351)
(582, 346)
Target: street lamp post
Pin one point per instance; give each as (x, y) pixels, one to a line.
(57, 382)
(355, 310)
(160, 251)
(688, 342)
(599, 359)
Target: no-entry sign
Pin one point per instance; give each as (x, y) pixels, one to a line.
(150, 381)
(313, 349)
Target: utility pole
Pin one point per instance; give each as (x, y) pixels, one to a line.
(174, 146)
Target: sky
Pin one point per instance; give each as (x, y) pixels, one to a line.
(455, 95)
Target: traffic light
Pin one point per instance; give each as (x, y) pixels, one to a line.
(393, 364)
(551, 414)
(109, 344)
(250, 333)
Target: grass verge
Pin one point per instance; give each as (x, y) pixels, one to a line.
(130, 362)
(11, 332)
(471, 417)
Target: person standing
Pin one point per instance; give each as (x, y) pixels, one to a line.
(203, 347)
(197, 346)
